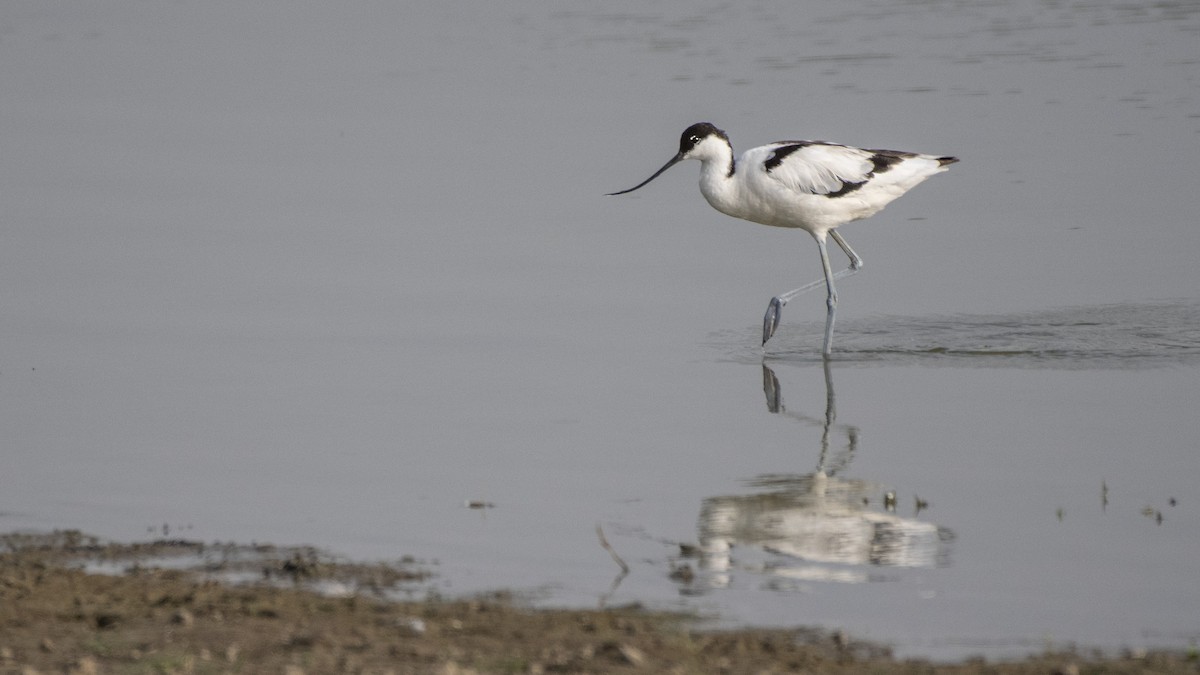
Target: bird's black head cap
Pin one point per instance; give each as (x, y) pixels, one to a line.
(697, 132)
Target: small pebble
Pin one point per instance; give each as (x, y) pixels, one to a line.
(85, 666)
(634, 656)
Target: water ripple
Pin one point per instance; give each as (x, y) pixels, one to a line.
(1138, 335)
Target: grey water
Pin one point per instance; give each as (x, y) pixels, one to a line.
(1157, 334)
(325, 274)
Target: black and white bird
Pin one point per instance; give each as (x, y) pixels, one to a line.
(811, 185)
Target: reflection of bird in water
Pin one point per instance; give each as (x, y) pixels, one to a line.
(818, 518)
(774, 394)
(811, 185)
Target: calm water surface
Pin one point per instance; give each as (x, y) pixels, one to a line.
(323, 274)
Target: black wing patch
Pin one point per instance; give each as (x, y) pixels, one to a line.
(882, 161)
(846, 189)
(782, 152)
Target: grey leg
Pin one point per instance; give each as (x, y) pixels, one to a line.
(775, 307)
(831, 299)
(856, 262)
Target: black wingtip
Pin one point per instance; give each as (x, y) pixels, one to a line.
(943, 161)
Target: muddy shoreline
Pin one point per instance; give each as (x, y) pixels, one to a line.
(72, 604)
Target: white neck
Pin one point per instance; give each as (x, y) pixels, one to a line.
(716, 182)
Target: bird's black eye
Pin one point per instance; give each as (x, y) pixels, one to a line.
(695, 139)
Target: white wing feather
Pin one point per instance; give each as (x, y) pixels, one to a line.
(816, 168)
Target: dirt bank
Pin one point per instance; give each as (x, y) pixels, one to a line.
(170, 607)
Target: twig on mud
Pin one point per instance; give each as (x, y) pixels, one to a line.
(616, 558)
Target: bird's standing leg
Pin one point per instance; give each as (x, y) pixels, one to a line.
(775, 307)
(830, 300)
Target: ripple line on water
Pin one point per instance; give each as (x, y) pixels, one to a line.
(1126, 335)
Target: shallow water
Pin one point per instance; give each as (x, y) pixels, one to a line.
(324, 274)
(1126, 336)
